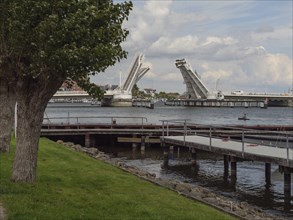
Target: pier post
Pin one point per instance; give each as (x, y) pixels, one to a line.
(226, 166)
(142, 147)
(171, 150)
(134, 148)
(193, 157)
(287, 185)
(268, 173)
(147, 141)
(194, 164)
(134, 145)
(87, 140)
(92, 141)
(165, 155)
(233, 170)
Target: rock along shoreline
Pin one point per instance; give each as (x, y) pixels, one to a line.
(241, 210)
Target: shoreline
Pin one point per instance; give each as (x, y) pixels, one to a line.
(241, 210)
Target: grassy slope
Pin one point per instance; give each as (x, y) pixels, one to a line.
(71, 185)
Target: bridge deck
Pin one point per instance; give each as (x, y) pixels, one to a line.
(246, 151)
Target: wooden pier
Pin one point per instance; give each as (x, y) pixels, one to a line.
(241, 150)
(234, 151)
(143, 103)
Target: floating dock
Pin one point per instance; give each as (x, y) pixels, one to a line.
(217, 103)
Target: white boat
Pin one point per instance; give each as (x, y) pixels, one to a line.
(116, 98)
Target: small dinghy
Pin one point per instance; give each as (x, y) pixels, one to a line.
(243, 118)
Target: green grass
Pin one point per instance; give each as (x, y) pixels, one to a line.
(71, 185)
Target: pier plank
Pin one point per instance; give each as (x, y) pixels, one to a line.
(138, 140)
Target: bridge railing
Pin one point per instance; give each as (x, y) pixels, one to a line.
(110, 120)
(248, 137)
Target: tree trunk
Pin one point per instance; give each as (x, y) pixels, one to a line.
(7, 105)
(28, 132)
(32, 98)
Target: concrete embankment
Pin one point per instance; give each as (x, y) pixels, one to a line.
(241, 210)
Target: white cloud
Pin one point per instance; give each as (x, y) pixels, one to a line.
(158, 9)
(172, 77)
(217, 40)
(271, 69)
(191, 44)
(252, 73)
(234, 41)
(147, 23)
(165, 45)
(216, 74)
(265, 29)
(282, 33)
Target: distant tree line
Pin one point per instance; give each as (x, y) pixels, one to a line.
(137, 93)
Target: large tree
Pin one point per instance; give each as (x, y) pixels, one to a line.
(47, 43)
(7, 93)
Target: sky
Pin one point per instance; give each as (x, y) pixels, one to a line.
(244, 45)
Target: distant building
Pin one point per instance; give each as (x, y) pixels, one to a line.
(70, 86)
(108, 87)
(150, 91)
(183, 96)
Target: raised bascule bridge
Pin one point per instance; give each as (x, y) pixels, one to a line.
(122, 96)
(195, 89)
(197, 94)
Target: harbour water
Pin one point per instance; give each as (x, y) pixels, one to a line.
(250, 186)
(198, 115)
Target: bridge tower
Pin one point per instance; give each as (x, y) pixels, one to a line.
(135, 74)
(194, 86)
(122, 96)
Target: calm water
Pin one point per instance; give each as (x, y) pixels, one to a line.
(250, 185)
(225, 116)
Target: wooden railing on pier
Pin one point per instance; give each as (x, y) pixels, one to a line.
(140, 125)
(282, 139)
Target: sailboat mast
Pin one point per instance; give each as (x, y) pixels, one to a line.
(120, 80)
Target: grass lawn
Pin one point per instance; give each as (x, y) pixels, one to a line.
(71, 185)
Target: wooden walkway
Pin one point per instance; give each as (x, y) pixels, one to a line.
(246, 151)
(234, 151)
